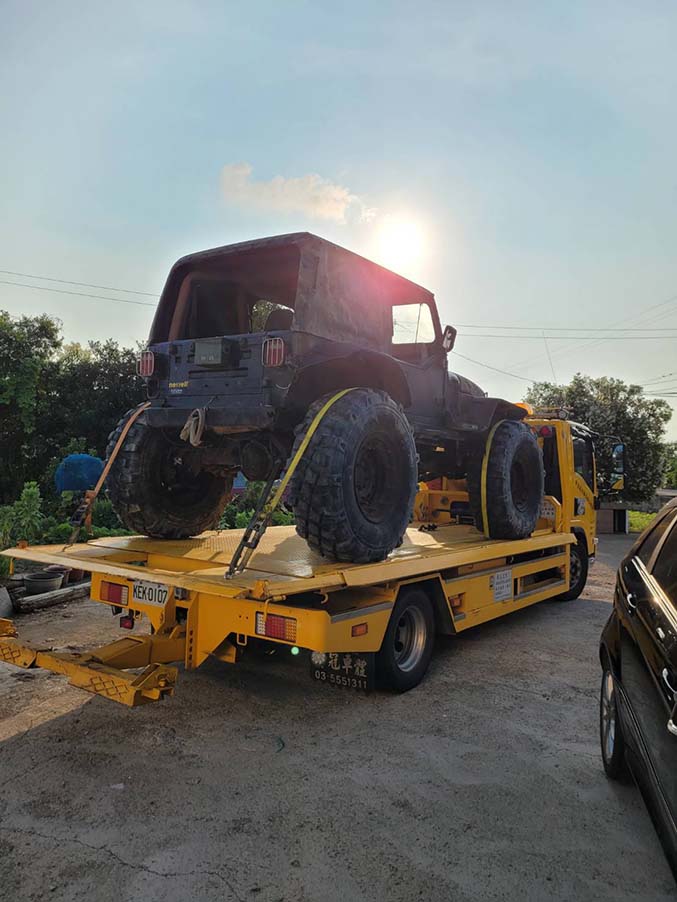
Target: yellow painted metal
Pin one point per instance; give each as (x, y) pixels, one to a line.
(103, 670)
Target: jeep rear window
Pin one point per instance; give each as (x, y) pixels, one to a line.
(412, 324)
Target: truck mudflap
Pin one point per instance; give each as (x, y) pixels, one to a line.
(131, 670)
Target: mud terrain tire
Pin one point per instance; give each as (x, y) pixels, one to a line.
(353, 491)
(514, 488)
(153, 494)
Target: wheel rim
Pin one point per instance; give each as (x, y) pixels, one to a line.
(519, 485)
(575, 566)
(375, 469)
(608, 716)
(411, 633)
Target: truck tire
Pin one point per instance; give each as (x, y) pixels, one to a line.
(153, 494)
(353, 491)
(578, 568)
(514, 482)
(407, 646)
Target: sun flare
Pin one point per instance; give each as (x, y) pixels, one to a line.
(400, 243)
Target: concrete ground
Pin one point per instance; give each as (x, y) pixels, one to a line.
(613, 548)
(254, 783)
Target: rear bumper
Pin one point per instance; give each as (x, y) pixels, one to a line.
(238, 415)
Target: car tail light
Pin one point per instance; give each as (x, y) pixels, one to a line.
(114, 593)
(145, 365)
(545, 431)
(127, 622)
(275, 627)
(273, 352)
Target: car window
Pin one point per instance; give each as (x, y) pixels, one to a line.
(412, 324)
(665, 568)
(654, 536)
(583, 459)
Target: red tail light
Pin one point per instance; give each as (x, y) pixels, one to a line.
(273, 352)
(276, 627)
(145, 365)
(113, 593)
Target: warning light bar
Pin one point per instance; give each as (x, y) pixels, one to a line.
(274, 626)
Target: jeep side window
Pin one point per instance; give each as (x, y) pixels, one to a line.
(412, 324)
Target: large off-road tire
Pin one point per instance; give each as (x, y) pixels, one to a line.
(353, 491)
(514, 482)
(154, 494)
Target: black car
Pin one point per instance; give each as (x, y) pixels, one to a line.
(638, 653)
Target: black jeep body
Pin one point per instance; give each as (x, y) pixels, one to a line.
(251, 340)
(334, 328)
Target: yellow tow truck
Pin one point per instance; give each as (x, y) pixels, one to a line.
(362, 624)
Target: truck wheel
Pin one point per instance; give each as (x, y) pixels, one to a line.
(514, 483)
(578, 569)
(407, 645)
(154, 493)
(353, 491)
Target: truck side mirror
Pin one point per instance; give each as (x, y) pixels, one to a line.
(618, 467)
(448, 338)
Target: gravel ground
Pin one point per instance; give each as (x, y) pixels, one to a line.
(253, 783)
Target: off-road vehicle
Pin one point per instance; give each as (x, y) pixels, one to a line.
(248, 343)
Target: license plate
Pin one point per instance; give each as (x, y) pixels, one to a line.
(343, 670)
(150, 593)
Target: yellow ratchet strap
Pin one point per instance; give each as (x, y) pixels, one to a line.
(261, 517)
(483, 478)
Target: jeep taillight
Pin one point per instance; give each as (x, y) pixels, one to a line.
(145, 364)
(273, 352)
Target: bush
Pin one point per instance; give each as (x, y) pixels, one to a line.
(638, 521)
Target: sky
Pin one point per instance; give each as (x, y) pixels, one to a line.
(518, 159)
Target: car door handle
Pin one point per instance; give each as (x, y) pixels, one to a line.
(666, 679)
(660, 633)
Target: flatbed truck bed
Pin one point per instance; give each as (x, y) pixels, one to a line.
(341, 613)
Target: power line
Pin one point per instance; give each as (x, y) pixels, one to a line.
(494, 368)
(81, 294)
(28, 275)
(554, 328)
(662, 337)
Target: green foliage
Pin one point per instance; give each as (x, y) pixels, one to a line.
(614, 409)
(104, 516)
(28, 517)
(56, 400)
(670, 480)
(638, 520)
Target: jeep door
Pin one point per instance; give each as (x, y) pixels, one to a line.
(416, 344)
(648, 607)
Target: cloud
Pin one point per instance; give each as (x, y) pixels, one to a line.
(316, 197)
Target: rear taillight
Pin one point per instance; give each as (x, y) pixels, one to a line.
(276, 627)
(273, 352)
(145, 365)
(113, 593)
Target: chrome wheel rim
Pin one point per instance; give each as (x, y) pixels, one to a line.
(608, 716)
(410, 638)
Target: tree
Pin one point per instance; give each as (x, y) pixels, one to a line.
(615, 410)
(26, 346)
(55, 399)
(671, 465)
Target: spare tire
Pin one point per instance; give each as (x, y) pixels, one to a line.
(514, 482)
(353, 491)
(154, 492)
